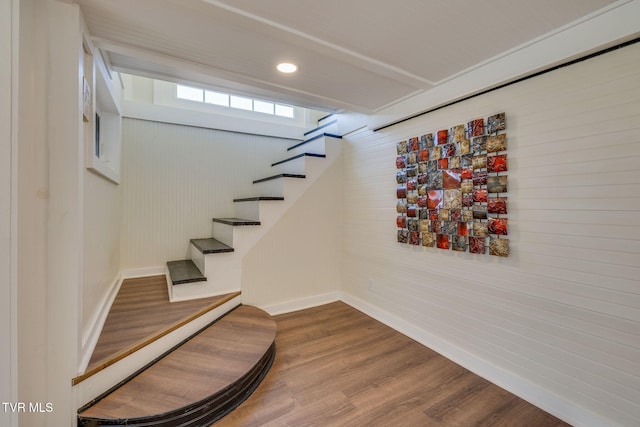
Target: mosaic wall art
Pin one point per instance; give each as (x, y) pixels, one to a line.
(451, 188)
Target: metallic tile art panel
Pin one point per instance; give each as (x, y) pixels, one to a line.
(452, 188)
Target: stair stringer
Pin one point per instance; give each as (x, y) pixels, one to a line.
(95, 385)
(224, 271)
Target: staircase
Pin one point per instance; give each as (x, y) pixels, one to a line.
(214, 267)
(205, 367)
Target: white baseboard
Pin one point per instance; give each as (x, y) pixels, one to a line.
(302, 303)
(132, 273)
(536, 395)
(90, 337)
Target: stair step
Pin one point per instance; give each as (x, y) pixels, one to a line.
(258, 198)
(196, 383)
(278, 176)
(321, 127)
(236, 221)
(184, 271)
(306, 141)
(322, 119)
(211, 246)
(297, 157)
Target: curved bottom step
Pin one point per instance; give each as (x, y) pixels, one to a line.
(198, 382)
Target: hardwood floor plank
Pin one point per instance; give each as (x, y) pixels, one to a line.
(141, 313)
(336, 366)
(204, 367)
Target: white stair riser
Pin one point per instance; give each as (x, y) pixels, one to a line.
(295, 166)
(222, 271)
(331, 128)
(315, 146)
(273, 187)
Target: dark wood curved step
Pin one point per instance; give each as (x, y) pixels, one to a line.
(198, 382)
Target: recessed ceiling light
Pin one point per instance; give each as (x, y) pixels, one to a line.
(287, 67)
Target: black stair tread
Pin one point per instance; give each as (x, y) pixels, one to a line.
(184, 271)
(211, 246)
(278, 176)
(258, 198)
(197, 382)
(321, 127)
(236, 221)
(298, 156)
(306, 141)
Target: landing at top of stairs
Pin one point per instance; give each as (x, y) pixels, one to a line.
(199, 381)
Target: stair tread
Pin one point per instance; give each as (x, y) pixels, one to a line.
(321, 127)
(184, 271)
(280, 175)
(306, 141)
(230, 356)
(258, 198)
(211, 246)
(298, 156)
(236, 221)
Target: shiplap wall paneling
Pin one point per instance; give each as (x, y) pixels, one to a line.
(175, 179)
(557, 322)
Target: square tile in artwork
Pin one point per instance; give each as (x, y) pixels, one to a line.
(477, 245)
(435, 199)
(497, 163)
(463, 229)
(496, 122)
(452, 199)
(443, 136)
(479, 144)
(403, 236)
(475, 127)
(497, 205)
(414, 144)
(414, 238)
(497, 184)
(496, 143)
(497, 226)
(429, 239)
(480, 229)
(451, 179)
(449, 227)
(401, 221)
(442, 241)
(459, 243)
(401, 147)
(479, 211)
(499, 247)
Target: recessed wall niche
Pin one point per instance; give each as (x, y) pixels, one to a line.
(102, 120)
(452, 188)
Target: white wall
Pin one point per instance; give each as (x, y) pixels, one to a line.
(298, 262)
(32, 205)
(8, 119)
(101, 246)
(558, 322)
(176, 178)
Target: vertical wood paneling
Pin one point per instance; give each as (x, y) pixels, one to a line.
(175, 179)
(563, 311)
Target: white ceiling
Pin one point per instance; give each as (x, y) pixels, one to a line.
(358, 55)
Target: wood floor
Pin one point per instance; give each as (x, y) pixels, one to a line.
(140, 314)
(335, 366)
(199, 380)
